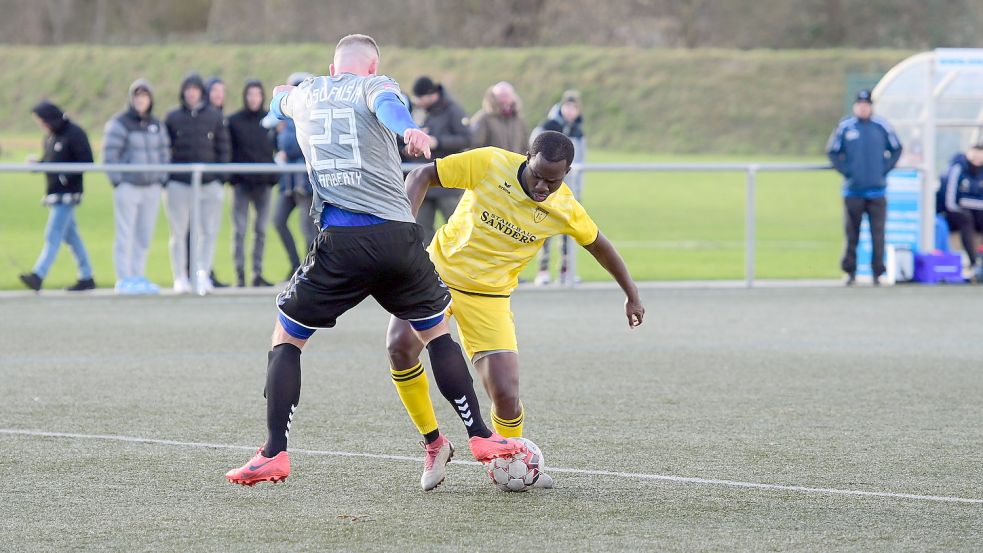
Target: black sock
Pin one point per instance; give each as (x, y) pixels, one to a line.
(431, 437)
(453, 378)
(282, 394)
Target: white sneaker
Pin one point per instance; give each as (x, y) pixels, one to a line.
(542, 278)
(182, 285)
(205, 285)
(439, 453)
(544, 481)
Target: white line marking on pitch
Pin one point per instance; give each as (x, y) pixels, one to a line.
(588, 472)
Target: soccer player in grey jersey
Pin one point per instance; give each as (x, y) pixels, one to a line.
(369, 245)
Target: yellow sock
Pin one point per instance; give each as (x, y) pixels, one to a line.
(509, 428)
(414, 390)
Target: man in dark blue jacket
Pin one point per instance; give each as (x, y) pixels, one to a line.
(962, 187)
(864, 148)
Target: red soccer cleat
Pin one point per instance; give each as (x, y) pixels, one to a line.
(261, 469)
(494, 447)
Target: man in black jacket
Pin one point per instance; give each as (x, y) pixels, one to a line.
(251, 143)
(65, 142)
(448, 135)
(198, 134)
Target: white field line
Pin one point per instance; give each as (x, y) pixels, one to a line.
(587, 472)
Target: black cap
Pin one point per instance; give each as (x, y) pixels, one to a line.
(424, 85)
(864, 96)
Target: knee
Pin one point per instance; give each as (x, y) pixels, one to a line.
(403, 348)
(506, 401)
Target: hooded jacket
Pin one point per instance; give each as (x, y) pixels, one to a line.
(198, 134)
(445, 122)
(864, 151)
(132, 138)
(251, 142)
(67, 143)
(492, 126)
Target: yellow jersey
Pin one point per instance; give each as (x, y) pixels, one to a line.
(497, 229)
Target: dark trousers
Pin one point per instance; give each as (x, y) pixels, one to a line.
(967, 223)
(853, 214)
(259, 197)
(285, 205)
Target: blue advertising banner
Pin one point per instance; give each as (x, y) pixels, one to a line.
(903, 229)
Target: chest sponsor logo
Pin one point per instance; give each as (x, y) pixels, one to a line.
(539, 214)
(507, 228)
(852, 134)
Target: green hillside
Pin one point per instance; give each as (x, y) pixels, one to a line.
(638, 100)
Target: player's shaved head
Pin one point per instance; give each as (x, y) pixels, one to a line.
(358, 54)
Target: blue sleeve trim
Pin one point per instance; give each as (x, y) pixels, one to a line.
(275, 105)
(296, 330)
(391, 112)
(427, 324)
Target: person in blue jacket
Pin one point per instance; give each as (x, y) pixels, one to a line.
(963, 196)
(864, 148)
(295, 191)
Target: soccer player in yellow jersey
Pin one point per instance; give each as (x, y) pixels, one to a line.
(511, 204)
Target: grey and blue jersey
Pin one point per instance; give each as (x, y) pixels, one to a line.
(352, 158)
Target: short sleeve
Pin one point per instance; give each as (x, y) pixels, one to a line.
(581, 227)
(460, 170)
(376, 86)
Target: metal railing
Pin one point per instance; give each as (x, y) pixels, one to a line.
(196, 170)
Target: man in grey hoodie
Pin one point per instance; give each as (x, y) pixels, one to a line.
(135, 136)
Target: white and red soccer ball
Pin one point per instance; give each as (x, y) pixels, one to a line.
(518, 472)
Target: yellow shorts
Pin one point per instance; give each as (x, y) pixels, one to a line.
(484, 323)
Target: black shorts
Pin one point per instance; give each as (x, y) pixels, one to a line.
(347, 264)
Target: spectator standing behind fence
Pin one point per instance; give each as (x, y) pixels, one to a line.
(564, 117)
(251, 143)
(444, 122)
(65, 142)
(198, 134)
(864, 148)
(215, 92)
(295, 191)
(963, 190)
(135, 136)
(499, 122)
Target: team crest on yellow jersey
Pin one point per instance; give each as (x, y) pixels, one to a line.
(540, 214)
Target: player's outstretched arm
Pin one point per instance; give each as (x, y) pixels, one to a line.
(417, 183)
(392, 113)
(278, 106)
(603, 251)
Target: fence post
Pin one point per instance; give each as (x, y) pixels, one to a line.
(572, 247)
(749, 230)
(193, 260)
